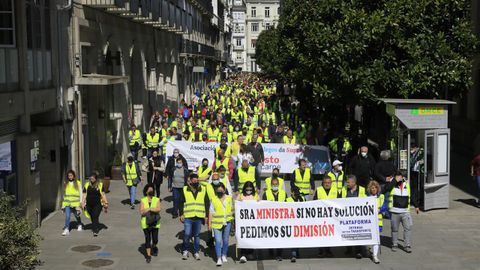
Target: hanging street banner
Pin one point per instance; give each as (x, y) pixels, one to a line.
(282, 156)
(321, 223)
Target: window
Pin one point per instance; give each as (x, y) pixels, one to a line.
(268, 26)
(254, 43)
(254, 27)
(254, 12)
(267, 12)
(239, 56)
(7, 24)
(239, 42)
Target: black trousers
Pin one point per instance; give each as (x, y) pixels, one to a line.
(157, 181)
(94, 211)
(151, 237)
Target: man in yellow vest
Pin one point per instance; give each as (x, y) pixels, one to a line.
(152, 141)
(325, 192)
(336, 174)
(196, 136)
(212, 133)
(132, 176)
(227, 150)
(289, 138)
(275, 175)
(246, 173)
(193, 211)
(275, 194)
(352, 190)
(225, 161)
(134, 140)
(296, 196)
(303, 179)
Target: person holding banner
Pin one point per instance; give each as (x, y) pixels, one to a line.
(248, 194)
(374, 190)
(352, 190)
(399, 201)
(325, 192)
(275, 175)
(303, 179)
(296, 196)
(275, 194)
(193, 211)
(220, 220)
(246, 173)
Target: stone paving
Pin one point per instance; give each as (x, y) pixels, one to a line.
(442, 239)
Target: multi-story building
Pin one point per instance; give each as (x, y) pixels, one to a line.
(239, 51)
(74, 74)
(260, 15)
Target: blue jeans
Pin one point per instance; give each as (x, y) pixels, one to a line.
(221, 240)
(478, 186)
(192, 227)
(132, 190)
(177, 197)
(68, 211)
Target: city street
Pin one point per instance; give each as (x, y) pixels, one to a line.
(442, 239)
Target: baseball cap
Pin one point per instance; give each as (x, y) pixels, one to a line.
(336, 162)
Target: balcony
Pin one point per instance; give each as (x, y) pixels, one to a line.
(238, 60)
(238, 48)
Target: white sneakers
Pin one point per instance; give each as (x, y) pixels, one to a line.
(185, 255)
(376, 260)
(243, 259)
(79, 228)
(65, 232)
(224, 259)
(196, 256)
(219, 262)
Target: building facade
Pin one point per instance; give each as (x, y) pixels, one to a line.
(239, 51)
(260, 15)
(74, 74)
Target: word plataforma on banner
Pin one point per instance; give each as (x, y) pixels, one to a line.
(322, 223)
(285, 157)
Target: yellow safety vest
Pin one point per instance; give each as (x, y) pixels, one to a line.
(322, 194)
(282, 196)
(236, 116)
(203, 173)
(212, 134)
(290, 199)
(193, 139)
(380, 201)
(100, 188)
(143, 220)
(194, 207)
(303, 183)
(134, 138)
(219, 163)
(227, 153)
(223, 214)
(130, 173)
(268, 183)
(152, 142)
(361, 192)
(286, 140)
(244, 177)
(337, 182)
(229, 137)
(71, 198)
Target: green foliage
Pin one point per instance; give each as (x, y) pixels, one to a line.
(267, 51)
(18, 239)
(360, 50)
(117, 160)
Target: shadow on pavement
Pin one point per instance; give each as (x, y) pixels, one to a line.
(127, 201)
(471, 202)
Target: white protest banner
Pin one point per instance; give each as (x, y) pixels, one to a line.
(321, 223)
(286, 156)
(282, 156)
(193, 152)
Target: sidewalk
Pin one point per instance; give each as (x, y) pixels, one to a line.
(442, 239)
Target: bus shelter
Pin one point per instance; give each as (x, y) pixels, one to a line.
(425, 123)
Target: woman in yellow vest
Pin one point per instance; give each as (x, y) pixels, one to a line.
(220, 220)
(71, 201)
(93, 200)
(373, 189)
(150, 220)
(248, 194)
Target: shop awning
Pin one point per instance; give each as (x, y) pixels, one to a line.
(100, 79)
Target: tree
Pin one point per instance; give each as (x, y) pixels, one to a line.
(266, 51)
(18, 239)
(360, 50)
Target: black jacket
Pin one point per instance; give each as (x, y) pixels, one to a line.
(383, 169)
(169, 169)
(363, 168)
